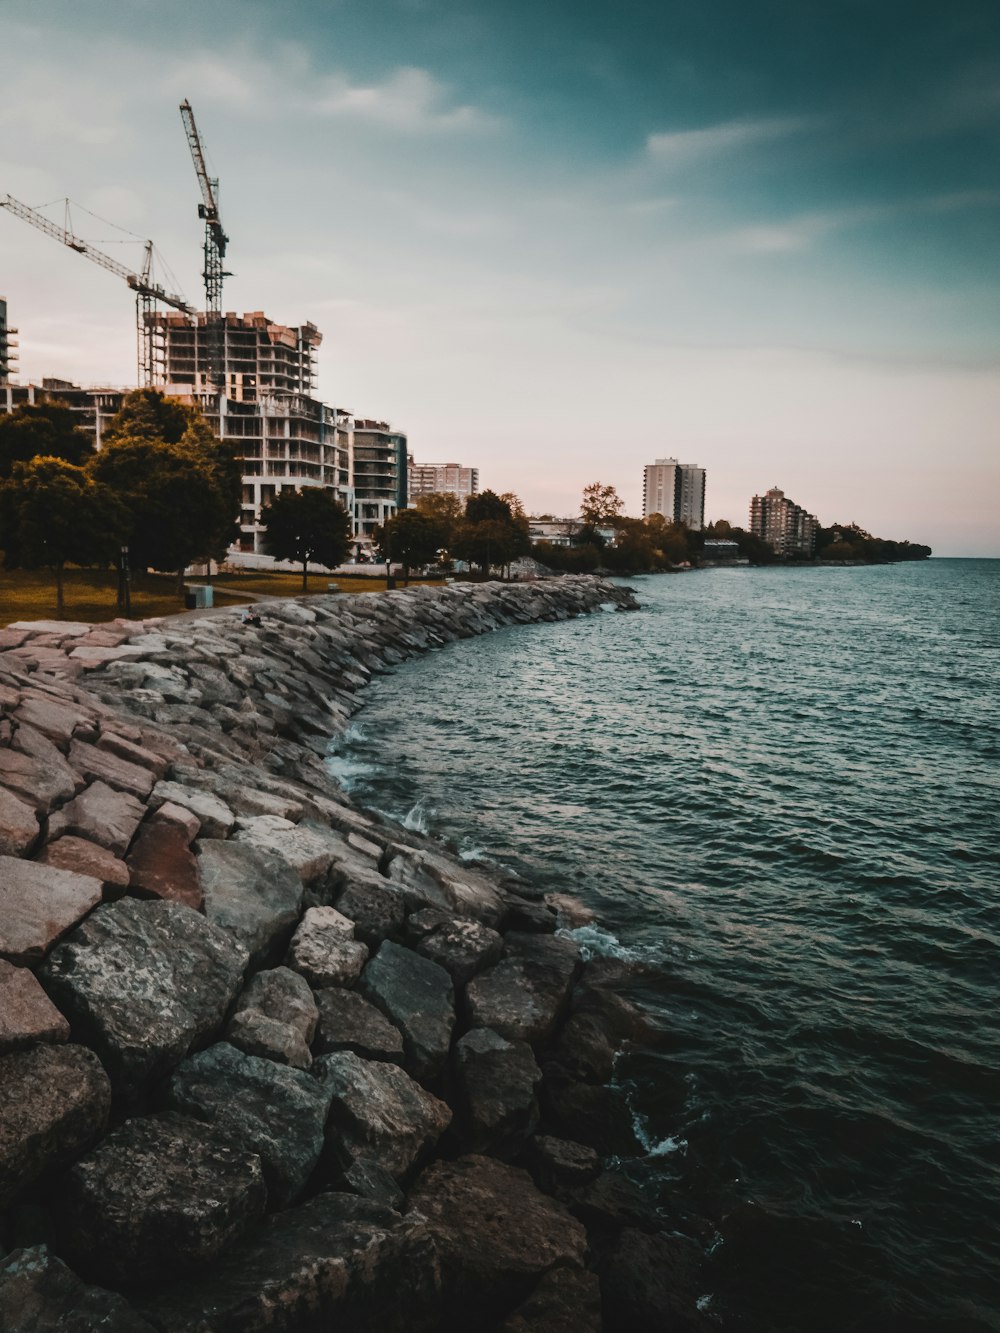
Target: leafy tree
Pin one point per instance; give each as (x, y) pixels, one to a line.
(488, 505)
(147, 414)
(53, 513)
(412, 538)
(307, 525)
(575, 559)
(445, 508)
(47, 430)
(601, 504)
(487, 543)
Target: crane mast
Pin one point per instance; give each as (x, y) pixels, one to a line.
(216, 241)
(148, 293)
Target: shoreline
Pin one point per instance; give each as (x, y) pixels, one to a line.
(373, 1057)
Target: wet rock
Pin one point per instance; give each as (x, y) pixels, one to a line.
(650, 1283)
(258, 1107)
(161, 865)
(584, 1050)
(324, 951)
(27, 1015)
(349, 1022)
(589, 1113)
(561, 1167)
(372, 1181)
(98, 814)
(54, 1102)
(216, 818)
(378, 1113)
(430, 879)
(41, 783)
(524, 995)
(18, 825)
(250, 894)
(142, 982)
(156, 1198)
(38, 904)
(276, 1018)
(461, 947)
(418, 997)
(496, 1233)
(566, 1300)
(496, 1081)
(38, 1292)
(612, 1202)
(336, 1262)
(530, 917)
(87, 858)
(377, 909)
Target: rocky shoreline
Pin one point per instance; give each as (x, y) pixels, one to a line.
(267, 1061)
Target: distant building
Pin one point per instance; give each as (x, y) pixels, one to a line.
(378, 474)
(441, 479)
(784, 525)
(8, 356)
(675, 490)
(718, 549)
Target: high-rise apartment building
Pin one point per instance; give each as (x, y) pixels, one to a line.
(8, 343)
(378, 473)
(784, 525)
(675, 490)
(441, 479)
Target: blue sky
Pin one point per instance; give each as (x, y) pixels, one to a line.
(559, 240)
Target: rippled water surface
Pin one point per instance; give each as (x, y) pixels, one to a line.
(778, 789)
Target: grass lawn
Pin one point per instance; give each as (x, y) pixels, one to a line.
(91, 594)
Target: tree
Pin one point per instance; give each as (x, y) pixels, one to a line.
(488, 505)
(601, 504)
(445, 508)
(52, 513)
(47, 430)
(147, 414)
(487, 543)
(307, 525)
(412, 538)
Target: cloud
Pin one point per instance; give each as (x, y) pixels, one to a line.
(409, 100)
(680, 146)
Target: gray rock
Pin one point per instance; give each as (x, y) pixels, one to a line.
(496, 1233)
(109, 818)
(336, 1262)
(276, 1018)
(156, 1198)
(54, 1102)
(526, 993)
(377, 909)
(349, 1022)
(374, 1182)
(560, 1166)
(496, 1081)
(38, 904)
(431, 879)
(251, 894)
(38, 1293)
(418, 997)
(143, 982)
(462, 947)
(217, 820)
(27, 1015)
(378, 1113)
(324, 951)
(259, 1107)
(308, 848)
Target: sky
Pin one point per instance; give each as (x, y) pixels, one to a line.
(557, 240)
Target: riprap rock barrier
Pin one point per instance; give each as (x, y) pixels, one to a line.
(266, 1060)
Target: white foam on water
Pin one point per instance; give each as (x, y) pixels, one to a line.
(596, 942)
(417, 818)
(347, 771)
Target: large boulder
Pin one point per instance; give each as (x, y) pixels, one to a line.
(349, 1022)
(496, 1081)
(142, 982)
(27, 1015)
(336, 1262)
(418, 997)
(377, 909)
(102, 815)
(566, 1300)
(38, 904)
(38, 1292)
(461, 946)
(41, 782)
(496, 1233)
(87, 858)
(54, 1102)
(259, 1107)
(324, 950)
(162, 865)
(650, 1283)
(253, 895)
(524, 996)
(378, 1113)
(275, 1017)
(18, 824)
(158, 1197)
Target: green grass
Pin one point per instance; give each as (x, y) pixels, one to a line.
(290, 585)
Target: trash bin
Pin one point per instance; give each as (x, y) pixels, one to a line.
(189, 601)
(198, 596)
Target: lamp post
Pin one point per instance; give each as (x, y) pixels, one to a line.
(124, 578)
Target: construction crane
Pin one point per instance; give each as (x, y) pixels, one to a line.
(147, 292)
(216, 241)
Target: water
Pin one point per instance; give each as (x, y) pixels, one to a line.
(778, 790)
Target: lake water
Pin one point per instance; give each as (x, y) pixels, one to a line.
(778, 790)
